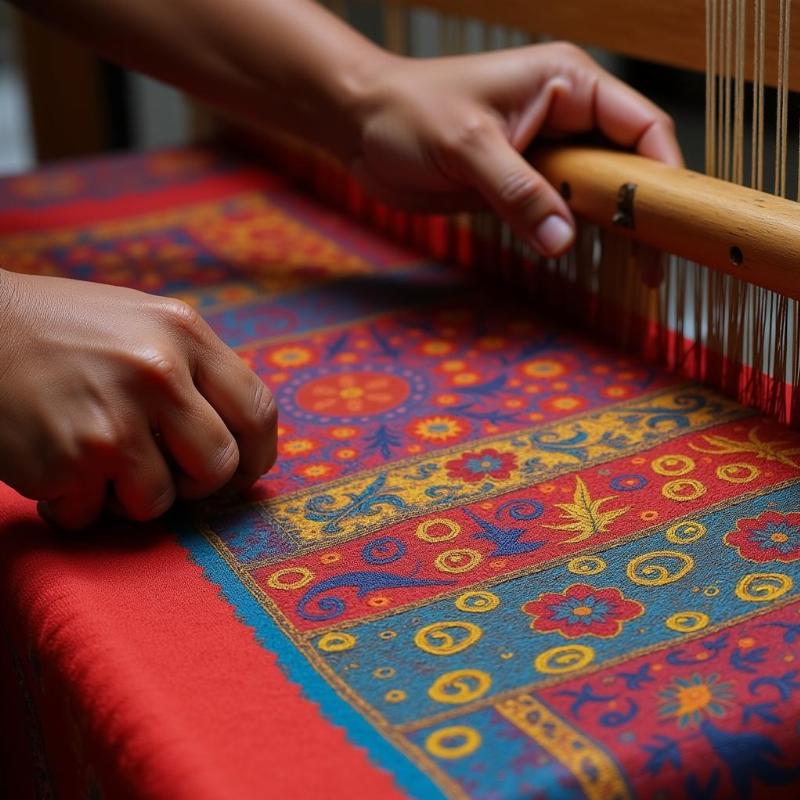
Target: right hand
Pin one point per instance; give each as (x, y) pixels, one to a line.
(110, 396)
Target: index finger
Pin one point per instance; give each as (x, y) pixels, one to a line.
(247, 408)
(630, 119)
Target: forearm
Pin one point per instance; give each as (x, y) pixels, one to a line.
(286, 61)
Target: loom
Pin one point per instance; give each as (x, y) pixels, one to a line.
(534, 531)
(723, 309)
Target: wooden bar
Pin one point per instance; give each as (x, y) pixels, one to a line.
(671, 32)
(751, 235)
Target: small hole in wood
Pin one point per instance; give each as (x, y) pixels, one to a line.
(566, 190)
(737, 256)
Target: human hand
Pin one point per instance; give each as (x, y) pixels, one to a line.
(446, 134)
(109, 395)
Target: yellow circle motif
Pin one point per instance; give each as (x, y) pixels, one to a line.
(738, 473)
(760, 587)
(336, 642)
(460, 686)
(384, 672)
(687, 621)
(685, 532)
(395, 696)
(330, 558)
(477, 602)
(672, 465)
(683, 489)
(462, 560)
(387, 635)
(711, 591)
(644, 573)
(276, 580)
(453, 742)
(566, 658)
(452, 530)
(439, 639)
(586, 565)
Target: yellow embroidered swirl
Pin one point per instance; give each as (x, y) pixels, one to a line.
(439, 638)
(460, 686)
(645, 570)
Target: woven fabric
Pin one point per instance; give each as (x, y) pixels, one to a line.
(495, 560)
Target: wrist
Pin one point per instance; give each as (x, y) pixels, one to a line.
(356, 94)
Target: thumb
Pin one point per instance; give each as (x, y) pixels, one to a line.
(518, 193)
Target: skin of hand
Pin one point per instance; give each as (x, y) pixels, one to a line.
(105, 392)
(112, 396)
(446, 134)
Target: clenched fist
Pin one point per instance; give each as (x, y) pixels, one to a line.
(112, 396)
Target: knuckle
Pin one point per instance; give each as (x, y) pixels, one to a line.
(667, 121)
(568, 51)
(469, 134)
(264, 414)
(160, 502)
(521, 190)
(160, 365)
(225, 461)
(181, 315)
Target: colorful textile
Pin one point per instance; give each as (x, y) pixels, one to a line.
(501, 561)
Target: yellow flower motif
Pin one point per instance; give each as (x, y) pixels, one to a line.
(297, 447)
(438, 429)
(437, 348)
(465, 378)
(453, 366)
(343, 433)
(543, 368)
(290, 356)
(316, 471)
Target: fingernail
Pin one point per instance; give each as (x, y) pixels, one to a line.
(553, 235)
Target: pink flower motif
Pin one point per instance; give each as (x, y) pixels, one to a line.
(771, 536)
(582, 610)
(474, 467)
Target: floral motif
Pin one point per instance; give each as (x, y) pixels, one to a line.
(690, 699)
(290, 356)
(771, 536)
(582, 610)
(353, 393)
(474, 467)
(438, 429)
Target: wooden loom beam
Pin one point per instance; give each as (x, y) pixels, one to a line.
(749, 234)
(671, 32)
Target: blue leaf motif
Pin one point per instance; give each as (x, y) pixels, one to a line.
(791, 630)
(764, 711)
(506, 540)
(749, 757)
(784, 685)
(367, 503)
(743, 660)
(665, 751)
(582, 697)
(635, 680)
(364, 582)
(708, 791)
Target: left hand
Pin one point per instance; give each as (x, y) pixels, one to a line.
(446, 134)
